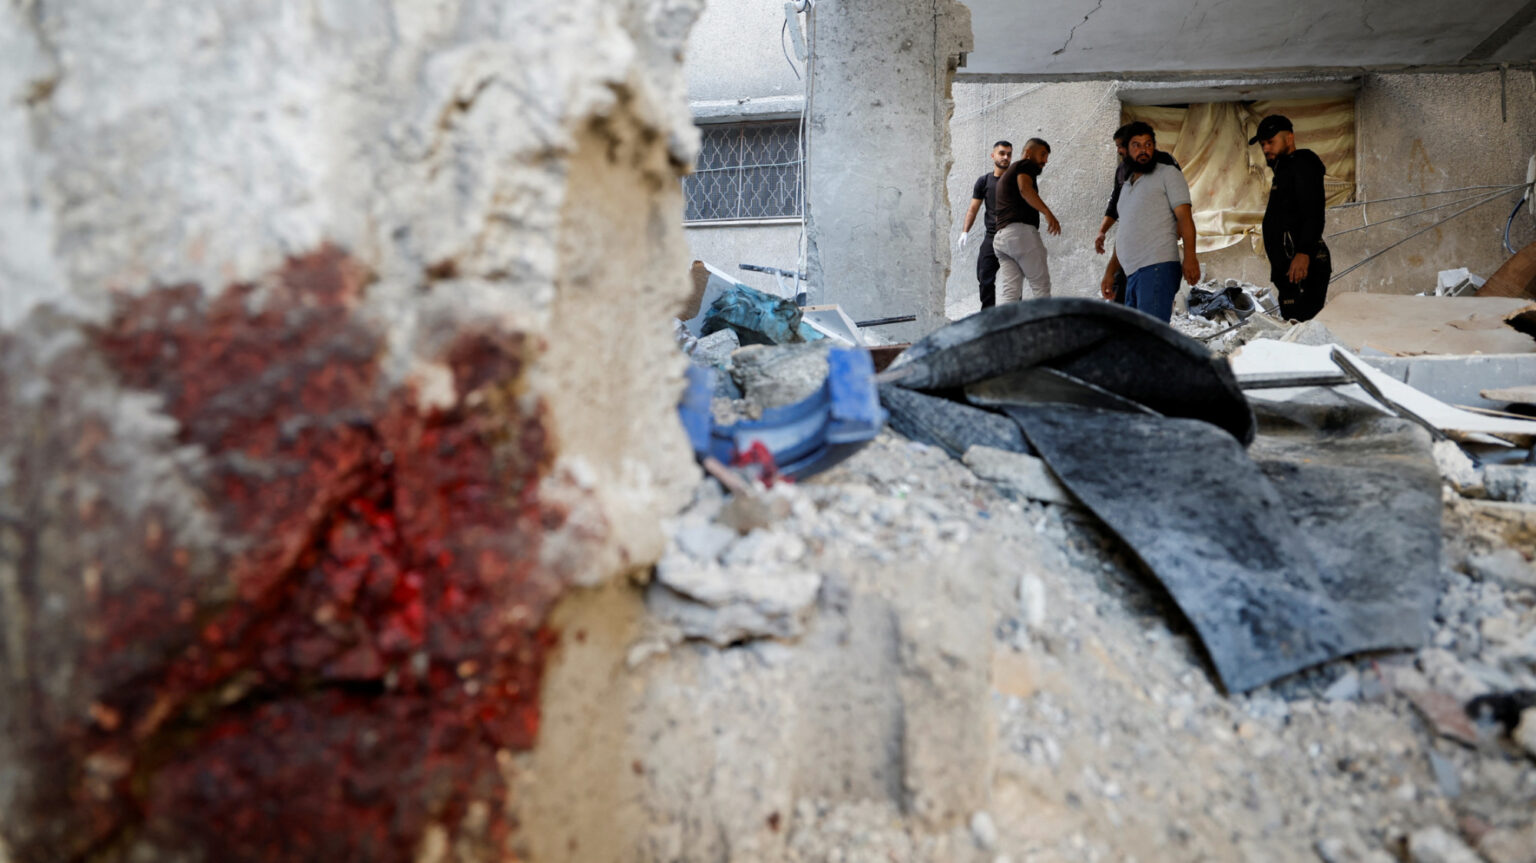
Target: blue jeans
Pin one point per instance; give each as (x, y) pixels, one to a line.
(1151, 289)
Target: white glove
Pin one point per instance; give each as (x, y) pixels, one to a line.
(963, 236)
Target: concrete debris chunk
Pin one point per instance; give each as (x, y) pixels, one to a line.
(1505, 845)
(715, 349)
(1346, 688)
(1447, 775)
(984, 831)
(1506, 566)
(704, 541)
(1018, 475)
(1458, 469)
(1436, 845)
(1511, 483)
(775, 376)
(725, 607)
(1310, 333)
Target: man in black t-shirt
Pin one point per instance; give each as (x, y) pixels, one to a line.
(985, 192)
(1299, 263)
(1020, 252)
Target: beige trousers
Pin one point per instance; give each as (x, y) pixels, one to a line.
(1020, 256)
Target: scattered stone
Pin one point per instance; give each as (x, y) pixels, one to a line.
(1310, 333)
(1525, 732)
(772, 376)
(1346, 688)
(1511, 483)
(748, 512)
(1444, 714)
(1332, 850)
(1435, 845)
(1032, 601)
(1447, 775)
(984, 831)
(1506, 566)
(1503, 845)
(1018, 475)
(1457, 468)
(725, 607)
(705, 540)
(715, 349)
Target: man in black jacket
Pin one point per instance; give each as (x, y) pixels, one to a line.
(1299, 264)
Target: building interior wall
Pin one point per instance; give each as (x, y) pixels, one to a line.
(1416, 133)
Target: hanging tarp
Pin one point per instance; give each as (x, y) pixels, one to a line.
(1228, 178)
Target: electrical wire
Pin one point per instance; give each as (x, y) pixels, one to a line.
(1510, 223)
(1424, 195)
(784, 45)
(1408, 215)
(1347, 270)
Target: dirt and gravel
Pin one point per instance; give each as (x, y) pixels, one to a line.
(899, 660)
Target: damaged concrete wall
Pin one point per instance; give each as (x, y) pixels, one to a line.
(879, 155)
(737, 72)
(1415, 133)
(333, 350)
(1077, 120)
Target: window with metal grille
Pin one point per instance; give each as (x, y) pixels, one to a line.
(745, 171)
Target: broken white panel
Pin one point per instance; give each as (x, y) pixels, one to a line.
(1457, 282)
(1268, 357)
(834, 323)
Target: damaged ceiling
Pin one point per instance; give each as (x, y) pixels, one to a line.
(1171, 38)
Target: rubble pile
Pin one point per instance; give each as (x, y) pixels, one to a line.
(935, 651)
(1226, 327)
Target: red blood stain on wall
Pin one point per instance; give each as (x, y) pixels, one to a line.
(381, 638)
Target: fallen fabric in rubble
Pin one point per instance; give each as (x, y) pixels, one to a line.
(1217, 534)
(1123, 351)
(951, 426)
(757, 318)
(839, 416)
(1206, 303)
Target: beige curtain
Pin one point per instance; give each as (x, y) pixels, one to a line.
(1228, 180)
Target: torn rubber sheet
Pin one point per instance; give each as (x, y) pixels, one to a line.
(1365, 493)
(952, 426)
(1123, 351)
(1219, 536)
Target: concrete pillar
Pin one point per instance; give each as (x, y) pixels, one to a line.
(879, 155)
(334, 349)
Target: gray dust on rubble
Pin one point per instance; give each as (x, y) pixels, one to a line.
(1096, 732)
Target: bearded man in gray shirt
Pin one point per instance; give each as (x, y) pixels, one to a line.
(1155, 214)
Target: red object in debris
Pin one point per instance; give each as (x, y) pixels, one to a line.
(758, 463)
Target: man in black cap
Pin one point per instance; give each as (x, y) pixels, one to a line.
(1299, 264)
